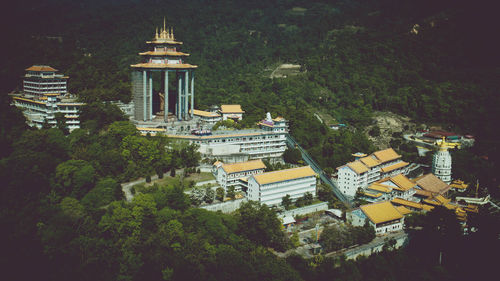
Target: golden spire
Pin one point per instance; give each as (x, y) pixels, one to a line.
(164, 22)
(172, 33)
(156, 34)
(443, 146)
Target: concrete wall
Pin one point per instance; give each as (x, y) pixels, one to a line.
(323, 206)
(225, 207)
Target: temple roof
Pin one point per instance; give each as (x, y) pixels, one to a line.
(386, 155)
(164, 65)
(283, 175)
(41, 68)
(231, 108)
(243, 166)
(432, 183)
(167, 53)
(381, 212)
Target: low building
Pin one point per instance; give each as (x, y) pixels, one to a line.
(382, 216)
(44, 96)
(363, 171)
(207, 117)
(230, 174)
(231, 111)
(270, 188)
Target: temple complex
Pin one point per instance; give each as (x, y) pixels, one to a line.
(166, 104)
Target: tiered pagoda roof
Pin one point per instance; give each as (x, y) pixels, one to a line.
(165, 54)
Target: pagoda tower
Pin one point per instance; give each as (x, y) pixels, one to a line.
(441, 163)
(165, 58)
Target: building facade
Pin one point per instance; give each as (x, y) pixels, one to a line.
(270, 188)
(44, 96)
(230, 174)
(441, 163)
(363, 171)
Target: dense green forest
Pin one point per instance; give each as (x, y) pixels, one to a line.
(62, 211)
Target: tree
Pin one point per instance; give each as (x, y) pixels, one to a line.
(74, 177)
(292, 155)
(209, 195)
(231, 193)
(286, 201)
(106, 191)
(219, 193)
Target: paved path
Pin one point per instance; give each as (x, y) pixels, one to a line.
(127, 186)
(205, 182)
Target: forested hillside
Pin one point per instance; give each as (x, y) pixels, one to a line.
(62, 211)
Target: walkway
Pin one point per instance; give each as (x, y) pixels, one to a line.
(322, 175)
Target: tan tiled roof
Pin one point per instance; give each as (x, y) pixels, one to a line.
(403, 210)
(386, 155)
(381, 212)
(374, 195)
(41, 68)
(369, 161)
(432, 183)
(402, 182)
(231, 108)
(411, 204)
(394, 167)
(204, 113)
(243, 166)
(283, 175)
(167, 53)
(164, 65)
(357, 167)
(380, 187)
(423, 192)
(279, 119)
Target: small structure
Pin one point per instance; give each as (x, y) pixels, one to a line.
(459, 185)
(230, 174)
(207, 117)
(441, 162)
(269, 188)
(45, 95)
(231, 111)
(389, 188)
(382, 216)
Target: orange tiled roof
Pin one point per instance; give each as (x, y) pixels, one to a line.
(283, 175)
(432, 183)
(386, 155)
(164, 53)
(381, 212)
(394, 167)
(370, 161)
(357, 167)
(403, 182)
(41, 68)
(243, 166)
(164, 65)
(231, 108)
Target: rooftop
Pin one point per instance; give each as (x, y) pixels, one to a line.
(369, 161)
(432, 183)
(381, 212)
(284, 175)
(386, 155)
(357, 167)
(411, 204)
(402, 182)
(231, 108)
(41, 68)
(243, 166)
(205, 113)
(394, 167)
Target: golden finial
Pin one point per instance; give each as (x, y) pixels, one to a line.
(164, 22)
(172, 33)
(156, 34)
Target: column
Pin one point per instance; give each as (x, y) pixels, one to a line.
(186, 92)
(192, 94)
(165, 110)
(179, 95)
(150, 96)
(144, 90)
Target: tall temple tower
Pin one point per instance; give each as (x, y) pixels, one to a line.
(166, 59)
(441, 163)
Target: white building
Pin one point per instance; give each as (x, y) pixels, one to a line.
(231, 111)
(270, 188)
(363, 171)
(230, 174)
(44, 95)
(382, 216)
(441, 163)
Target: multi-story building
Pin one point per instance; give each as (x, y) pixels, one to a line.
(270, 188)
(230, 174)
(363, 171)
(382, 216)
(44, 95)
(231, 111)
(269, 141)
(441, 163)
